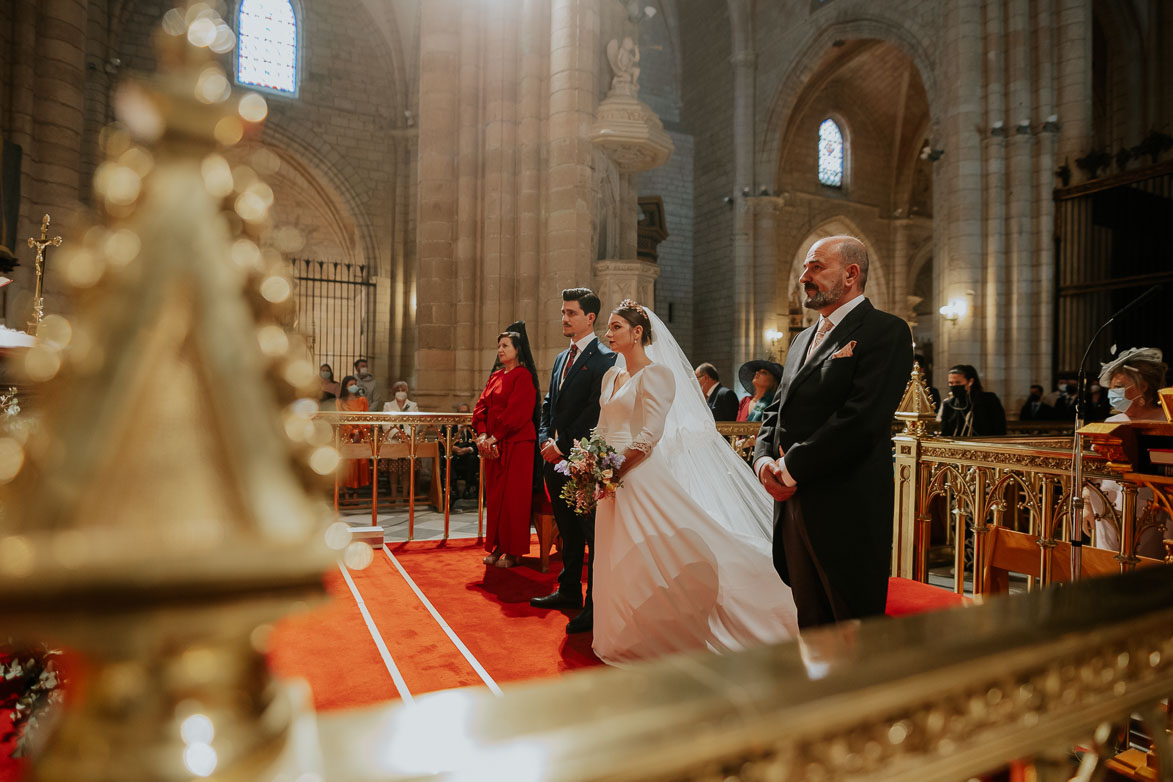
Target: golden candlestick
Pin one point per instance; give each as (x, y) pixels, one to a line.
(38, 299)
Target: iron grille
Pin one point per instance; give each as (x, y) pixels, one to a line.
(336, 311)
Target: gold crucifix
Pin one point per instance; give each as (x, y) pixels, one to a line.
(38, 300)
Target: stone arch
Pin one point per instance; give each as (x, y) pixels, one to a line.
(904, 33)
(820, 228)
(339, 176)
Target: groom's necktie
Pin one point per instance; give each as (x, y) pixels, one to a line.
(569, 360)
(824, 327)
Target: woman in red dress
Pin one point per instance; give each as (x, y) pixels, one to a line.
(353, 474)
(507, 438)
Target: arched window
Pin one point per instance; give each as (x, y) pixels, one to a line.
(830, 154)
(266, 53)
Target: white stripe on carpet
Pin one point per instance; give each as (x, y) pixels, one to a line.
(392, 669)
(476, 665)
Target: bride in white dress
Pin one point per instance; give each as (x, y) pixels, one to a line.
(683, 550)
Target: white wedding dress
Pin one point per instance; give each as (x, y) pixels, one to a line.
(683, 551)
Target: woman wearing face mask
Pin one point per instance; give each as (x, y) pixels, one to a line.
(970, 411)
(401, 404)
(504, 419)
(330, 387)
(1132, 380)
(353, 474)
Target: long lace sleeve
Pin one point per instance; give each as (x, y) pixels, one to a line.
(657, 390)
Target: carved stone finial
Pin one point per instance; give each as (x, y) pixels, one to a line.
(916, 406)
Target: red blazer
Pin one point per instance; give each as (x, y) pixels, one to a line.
(505, 409)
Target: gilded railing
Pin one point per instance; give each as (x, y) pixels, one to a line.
(411, 436)
(1052, 683)
(1005, 503)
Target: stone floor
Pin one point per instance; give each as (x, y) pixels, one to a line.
(429, 524)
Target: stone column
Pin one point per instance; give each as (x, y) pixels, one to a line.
(746, 343)
(439, 315)
(573, 94)
(958, 215)
(617, 280)
(901, 287)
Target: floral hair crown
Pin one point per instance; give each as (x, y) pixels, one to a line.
(632, 304)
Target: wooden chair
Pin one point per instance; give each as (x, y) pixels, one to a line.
(543, 521)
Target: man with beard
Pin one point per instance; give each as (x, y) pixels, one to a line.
(824, 452)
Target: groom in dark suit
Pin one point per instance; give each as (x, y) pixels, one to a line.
(824, 451)
(569, 412)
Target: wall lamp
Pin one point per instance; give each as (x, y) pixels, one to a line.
(774, 341)
(956, 308)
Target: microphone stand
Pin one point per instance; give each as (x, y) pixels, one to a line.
(1076, 511)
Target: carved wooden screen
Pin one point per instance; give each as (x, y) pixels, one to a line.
(1112, 242)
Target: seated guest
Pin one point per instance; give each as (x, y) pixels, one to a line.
(466, 466)
(760, 379)
(722, 401)
(970, 411)
(1035, 408)
(400, 404)
(353, 474)
(330, 386)
(505, 421)
(398, 469)
(1133, 380)
(1063, 398)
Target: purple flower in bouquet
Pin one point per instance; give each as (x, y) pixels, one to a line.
(590, 468)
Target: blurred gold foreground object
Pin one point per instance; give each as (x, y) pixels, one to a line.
(161, 515)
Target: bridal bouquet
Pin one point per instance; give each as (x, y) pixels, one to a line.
(591, 468)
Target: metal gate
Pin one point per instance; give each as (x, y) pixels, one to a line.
(336, 311)
(1112, 242)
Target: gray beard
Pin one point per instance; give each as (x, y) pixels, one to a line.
(817, 301)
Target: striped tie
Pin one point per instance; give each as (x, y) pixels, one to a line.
(569, 360)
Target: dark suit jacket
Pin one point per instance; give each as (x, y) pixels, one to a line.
(572, 408)
(723, 402)
(832, 418)
(1044, 413)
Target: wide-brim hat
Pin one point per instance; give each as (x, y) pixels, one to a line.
(746, 373)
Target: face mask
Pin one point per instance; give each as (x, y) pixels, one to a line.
(1035, 397)
(362, 372)
(325, 375)
(401, 396)
(352, 388)
(1070, 389)
(959, 393)
(1118, 400)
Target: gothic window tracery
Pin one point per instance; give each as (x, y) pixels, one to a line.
(830, 153)
(267, 45)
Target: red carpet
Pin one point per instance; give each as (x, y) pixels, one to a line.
(487, 609)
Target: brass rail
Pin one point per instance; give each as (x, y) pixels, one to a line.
(373, 432)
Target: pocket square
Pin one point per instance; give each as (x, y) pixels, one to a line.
(847, 351)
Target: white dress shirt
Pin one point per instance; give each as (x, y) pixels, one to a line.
(836, 318)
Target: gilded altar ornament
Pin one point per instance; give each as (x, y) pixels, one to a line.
(38, 294)
(165, 513)
(916, 407)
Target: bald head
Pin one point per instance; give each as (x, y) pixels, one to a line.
(835, 271)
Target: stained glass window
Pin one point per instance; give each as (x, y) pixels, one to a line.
(830, 154)
(267, 49)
